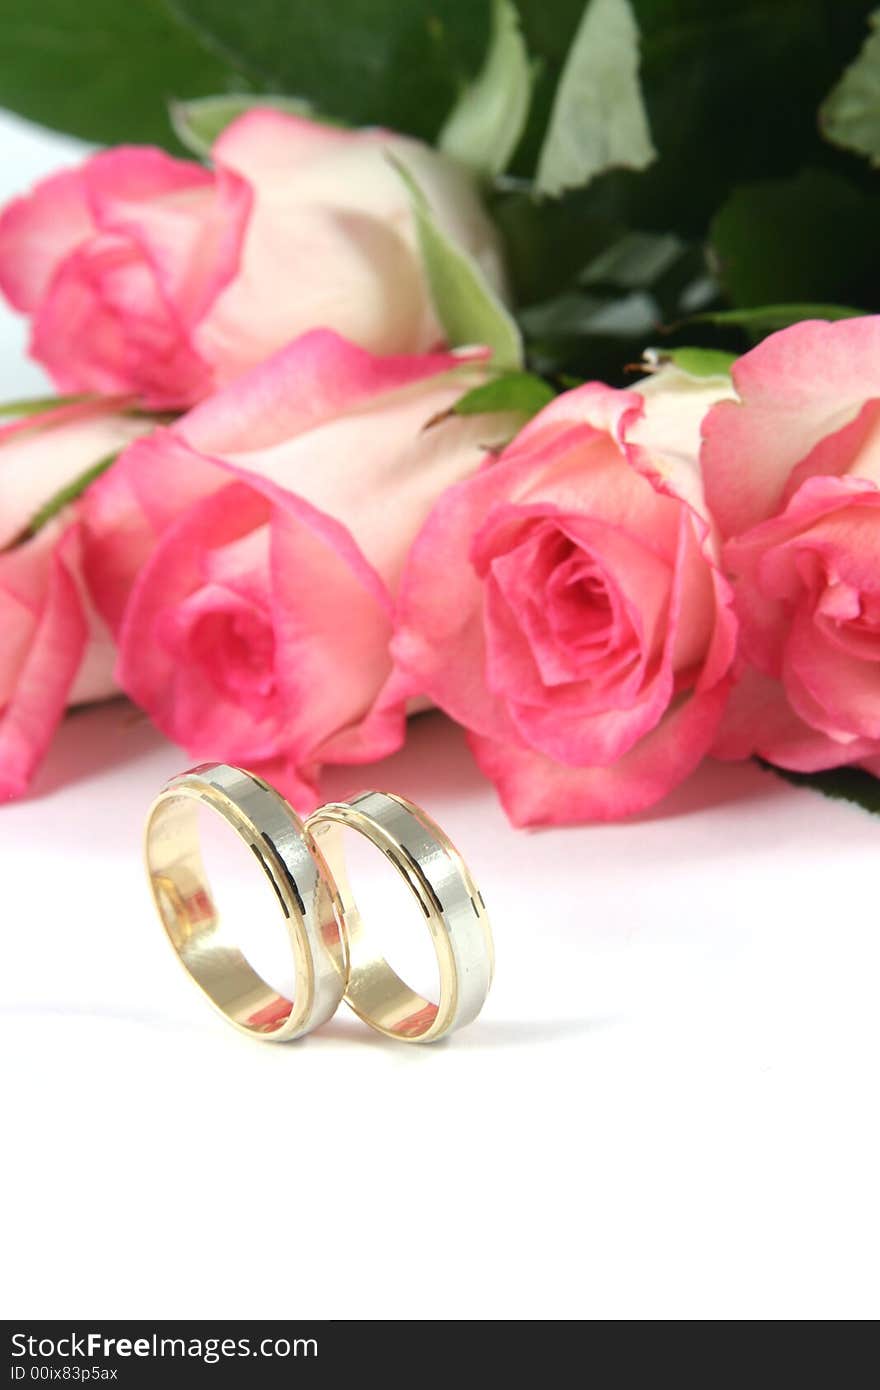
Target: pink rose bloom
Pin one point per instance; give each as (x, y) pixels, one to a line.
(248, 557)
(792, 471)
(54, 649)
(43, 637)
(154, 276)
(582, 628)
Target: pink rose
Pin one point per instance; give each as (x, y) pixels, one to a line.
(117, 263)
(43, 638)
(54, 649)
(792, 471)
(248, 557)
(155, 276)
(581, 629)
(331, 241)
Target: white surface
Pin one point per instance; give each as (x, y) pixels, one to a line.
(667, 1110)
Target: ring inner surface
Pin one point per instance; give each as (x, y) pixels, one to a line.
(375, 990)
(194, 925)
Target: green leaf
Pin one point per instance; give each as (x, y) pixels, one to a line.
(590, 336)
(572, 315)
(598, 120)
(104, 69)
(810, 238)
(468, 309)
(485, 125)
(769, 318)
(66, 495)
(198, 123)
(731, 90)
(635, 261)
(515, 391)
(840, 783)
(395, 63)
(548, 243)
(850, 114)
(693, 361)
(38, 404)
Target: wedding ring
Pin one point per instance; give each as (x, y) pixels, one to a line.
(205, 942)
(449, 900)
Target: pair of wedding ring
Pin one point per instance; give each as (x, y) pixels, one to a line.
(332, 952)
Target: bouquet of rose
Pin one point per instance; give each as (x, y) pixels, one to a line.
(323, 458)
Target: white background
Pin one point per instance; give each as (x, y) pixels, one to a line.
(668, 1108)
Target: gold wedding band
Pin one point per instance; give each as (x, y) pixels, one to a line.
(450, 902)
(200, 935)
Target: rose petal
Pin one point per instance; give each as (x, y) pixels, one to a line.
(331, 614)
(760, 720)
(312, 381)
(104, 327)
(128, 508)
(36, 463)
(535, 790)
(185, 701)
(265, 146)
(835, 693)
(37, 232)
(38, 575)
(188, 222)
(800, 388)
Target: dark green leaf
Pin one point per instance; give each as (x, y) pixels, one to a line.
(635, 261)
(516, 391)
(731, 90)
(573, 314)
(104, 70)
(590, 336)
(811, 238)
(398, 63)
(841, 783)
(850, 114)
(549, 242)
(769, 318)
